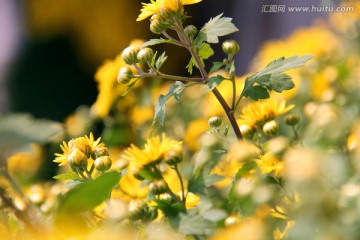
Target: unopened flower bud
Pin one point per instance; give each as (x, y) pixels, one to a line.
(145, 55)
(292, 119)
(100, 151)
(158, 187)
(103, 163)
(174, 156)
(230, 47)
(77, 159)
(270, 128)
(125, 75)
(215, 122)
(171, 7)
(247, 131)
(158, 24)
(137, 209)
(191, 31)
(129, 55)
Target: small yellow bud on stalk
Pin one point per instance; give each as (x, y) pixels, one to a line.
(100, 151)
(157, 24)
(270, 128)
(174, 156)
(103, 163)
(145, 55)
(77, 159)
(191, 31)
(230, 47)
(292, 119)
(129, 55)
(125, 75)
(247, 131)
(215, 122)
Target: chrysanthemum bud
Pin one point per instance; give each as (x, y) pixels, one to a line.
(247, 131)
(103, 163)
(170, 7)
(157, 24)
(292, 119)
(191, 31)
(215, 122)
(125, 75)
(129, 55)
(158, 187)
(77, 159)
(100, 151)
(145, 55)
(137, 209)
(270, 128)
(174, 156)
(230, 47)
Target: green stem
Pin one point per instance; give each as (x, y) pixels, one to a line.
(183, 198)
(192, 49)
(170, 77)
(296, 135)
(173, 40)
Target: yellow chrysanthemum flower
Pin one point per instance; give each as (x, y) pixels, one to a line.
(260, 112)
(268, 163)
(85, 145)
(156, 7)
(154, 151)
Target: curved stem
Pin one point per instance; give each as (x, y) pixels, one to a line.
(170, 77)
(183, 198)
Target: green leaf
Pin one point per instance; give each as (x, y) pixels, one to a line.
(213, 82)
(277, 82)
(70, 175)
(215, 28)
(17, 131)
(192, 224)
(216, 66)
(205, 51)
(256, 93)
(170, 209)
(175, 91)
(153, 42)
(130, 86)
(245, 169)
(160, 61)
(272, 77)
(90, 193)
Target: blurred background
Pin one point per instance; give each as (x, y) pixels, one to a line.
(51, 49)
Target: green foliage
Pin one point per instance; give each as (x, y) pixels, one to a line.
(17, 131)
(153, 42)
(193, 223)
(90, 193)
(272, 77)
(160, 105)
(160, 61)
(70, 175)
(215, 28)
(216, 66)
(204, 52)
(215, 81)
(130, 86)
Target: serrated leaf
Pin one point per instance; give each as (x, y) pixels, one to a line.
(175, 91)
(70, 175)
(153, 42)
(215, 28)
(160, 61)
(215, 81)
(272, 77)
(256, 93)
(216, 66)
(205, 51)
